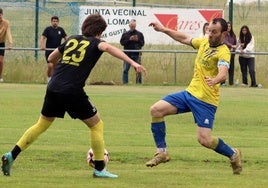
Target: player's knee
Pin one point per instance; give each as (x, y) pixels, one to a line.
(155, 112)
(205, 141)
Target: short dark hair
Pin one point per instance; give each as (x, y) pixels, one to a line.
(93, 25)
(54, 18)
(1, 11)
(223, 23)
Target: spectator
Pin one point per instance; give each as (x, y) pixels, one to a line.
(51, 38)
(132, 40)
(205, 30)
(5, 34)
(245, 45)
(230, 40)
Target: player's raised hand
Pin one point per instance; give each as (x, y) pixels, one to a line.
(157, 26)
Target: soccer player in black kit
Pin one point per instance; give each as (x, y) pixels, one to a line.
(65, 93)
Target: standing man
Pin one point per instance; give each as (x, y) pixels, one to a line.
(5, 34)
(132, 40)
(75, 59)
(51, 39)
(201, 97)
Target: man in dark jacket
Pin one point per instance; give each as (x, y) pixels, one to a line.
(132, 40)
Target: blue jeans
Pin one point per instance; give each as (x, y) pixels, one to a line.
(126, 68)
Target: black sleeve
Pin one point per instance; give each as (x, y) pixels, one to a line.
(45, 32)
(63, 33)
(141, 40)
(62, 46)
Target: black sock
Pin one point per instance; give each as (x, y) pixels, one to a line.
(15, 152)
(99, 165)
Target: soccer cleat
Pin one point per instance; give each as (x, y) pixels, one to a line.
(236, 162)
(158, 158)
(103, 174)
(7, 162)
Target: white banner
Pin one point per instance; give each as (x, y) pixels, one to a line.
(186, 20)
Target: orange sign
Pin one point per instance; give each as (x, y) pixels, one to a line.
(168, 20)
(211, 14)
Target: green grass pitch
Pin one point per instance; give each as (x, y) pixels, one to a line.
(58, 158)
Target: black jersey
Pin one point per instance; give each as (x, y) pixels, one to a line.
(54, 36)
(79, 56)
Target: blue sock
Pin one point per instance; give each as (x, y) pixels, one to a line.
(224, 149)
(159, 134)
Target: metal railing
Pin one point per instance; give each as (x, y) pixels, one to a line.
(175, 52)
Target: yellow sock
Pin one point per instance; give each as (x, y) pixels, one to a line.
(97, 142)
(156, 119)
(215, 143)
(32, 133)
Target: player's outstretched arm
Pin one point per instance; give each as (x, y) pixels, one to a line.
(116, 52)
(176, 35)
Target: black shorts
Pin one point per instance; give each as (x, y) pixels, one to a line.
(2, 51)
(77, 106)
(47, 53)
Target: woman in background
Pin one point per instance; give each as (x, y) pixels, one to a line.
(245, 46)
(205, 31)
(230, 41)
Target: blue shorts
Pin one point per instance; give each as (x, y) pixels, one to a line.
(204, 113)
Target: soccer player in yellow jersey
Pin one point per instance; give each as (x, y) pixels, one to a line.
(201, 97)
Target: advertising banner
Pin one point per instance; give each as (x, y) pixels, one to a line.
(190, 21)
